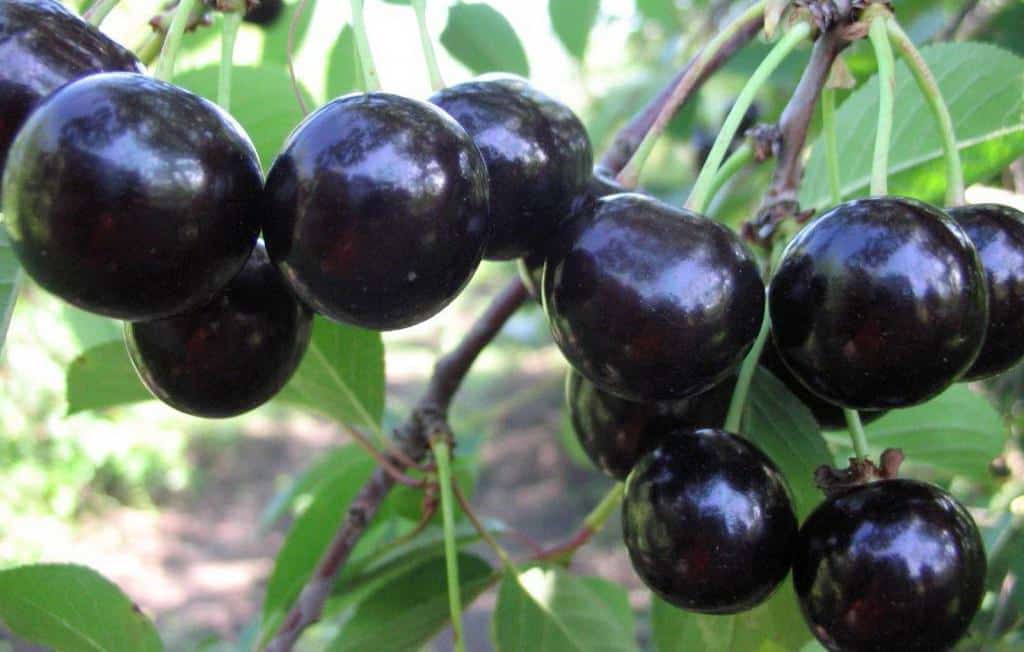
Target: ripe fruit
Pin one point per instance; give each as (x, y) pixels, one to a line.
(615, 433)
(377, 210)
(891, 565)
(651, 302)
(828, 416)
(229, 356)
(880, 303)
(265, 12)
(708, 522)
(132, 198)
(537, 152)
(44, 46)
(998, 234)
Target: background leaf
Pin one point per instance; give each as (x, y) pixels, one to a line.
(549, 610)
(9, 272)
(103, 377)
(73, 609)
(990, 131)
(572, 21)
(483, 40)
(343, 73)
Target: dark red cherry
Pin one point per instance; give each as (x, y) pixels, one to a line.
(891, 565)
(538, 157)
(708, 522)
(615, 433)
(998, 234)
(377, 210)
(132, 198)
(265, 12)
(651, 302)
(44, 46)
(229, 356)
(828, 416)
(879, 304)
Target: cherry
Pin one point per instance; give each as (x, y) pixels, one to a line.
(231, 355)
(378, 210)
(132, 198)
(828, 416)
(879, 304)
(891, 565)
(651, 302)
(615, 433)
(537, 152)
(44, 46)
(708, 522)
(265, 12)
(998, 234)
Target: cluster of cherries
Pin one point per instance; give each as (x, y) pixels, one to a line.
(135, 199)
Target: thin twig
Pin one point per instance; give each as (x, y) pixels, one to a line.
(467, 509)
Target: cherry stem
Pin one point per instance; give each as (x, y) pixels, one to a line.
(738, 403)
(149, 48)
(630, 174)
(857, 436)
(592, 524)
(98, 11)
(701, 190)
(828, 127)
(169, 52)
(232, 21)
(467, 509)
(943, 120)
(433, 69)
(290, 57)
(442, 457)
(371, 81)
(879, 36)
(736, 161)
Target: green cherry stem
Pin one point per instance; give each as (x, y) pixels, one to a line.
(630, 174)
(828, 127)
(738, 403)
(442, 456)
(597, 517)
(857, 436)
(232, 21)
(736, 161)
(148, 50)
(879, 36)
(370, 78)
(930, 88)
(700, 194)
(436, 81)
(99, 10)
(169, 52)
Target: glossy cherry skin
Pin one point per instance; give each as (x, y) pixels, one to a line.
(651, 302)
(615, 433)
(44, 46)
(229, 356)
(265, 13)
(132, 198)
(828, 416)
(880, 303)
(998, 234)
(708, 522)
(537, 152)
(377, 210)
(891, 565)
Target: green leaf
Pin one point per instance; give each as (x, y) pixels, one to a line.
(310, 535)
(483, 40)
(547, 609)
(262, 100)
(776, 622)
(275, 36)
(786, 431)
(958, 433)
(573, 20)
(984, 88)
(407, 612)
(342, 374)
(89, 329)
(9, 272)
(325, 468)
(663, 11)
(103, 377)
(343, 73)
(72, 609)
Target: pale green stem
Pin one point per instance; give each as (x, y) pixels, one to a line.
(370, 78)
(738, 403)
(630, 174)
(98, 11)
(165, 66)
(857, 436)
(700, 194)
(828, 126)
(930, 88)
(436, 82)
(148, 50)
(743, 155)
(442, 457)
(879, 36)
(232, 21)
(595, 520)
